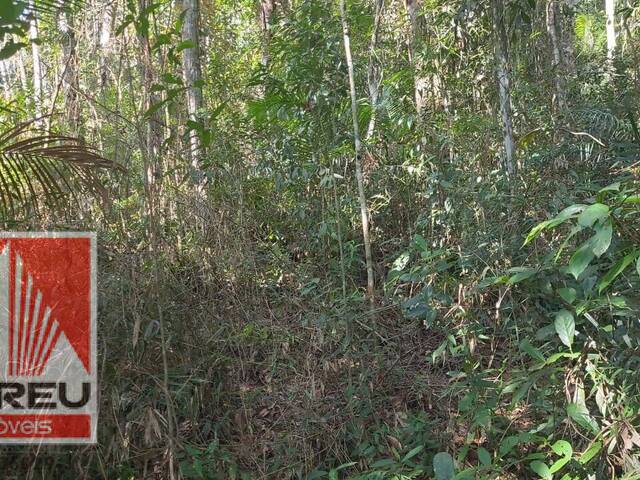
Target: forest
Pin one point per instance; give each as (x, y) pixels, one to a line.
(339, 239)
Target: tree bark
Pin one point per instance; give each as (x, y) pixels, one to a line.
(610, 10)
(364, 210)
(37, 69)
(569, 37)
(105, 40)
(554, 30)
(5, 79)
(374, 72)
(152, 141)
(192, 72)
(69, 71)
(420, 82)
(504, 88)
(267, 8)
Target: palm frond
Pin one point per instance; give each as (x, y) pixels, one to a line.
(39, 169)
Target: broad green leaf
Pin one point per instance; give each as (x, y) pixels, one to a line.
(567, 294)
(508, 443)
(581, 259)
(420, 242)
(617, 268)
(558, 464)
(565, 327)
(484, 456)
(520, 273)
(592, 214)
(10, 48)
(564, 449)
(185, 44)
(590, 452)
(602, 239)
(541, 469)
(581, 415)
(562, 217)
(443, 467)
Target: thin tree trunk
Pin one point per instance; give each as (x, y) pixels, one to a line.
(22, 71)
(152, 134)
(37, 69)
(105, 41)
(364, 210)
(555, 36)
(420, 82)
(504, 88)
(374, 72)
(69, 71)
(569, 37)
(610, 10)
(5, 79)
(267, 8)
(192, 72)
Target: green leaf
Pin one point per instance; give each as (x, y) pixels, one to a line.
(581, 259)
(420, 242)
(530, 350)
(412, 453)
(172, 79)
(565, 327)
(564, 449)
(614, 187)
(592, 214)
(541, 469)
(536, 231)
(602, 239)
(581, 415)
(10, 48)
(443, 467)
(591, 452)
(567, 294)
(617, 268)
(484, 456)
(186, 44)
(563, 216)
(521, 273)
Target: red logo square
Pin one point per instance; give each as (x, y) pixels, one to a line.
(48, 382)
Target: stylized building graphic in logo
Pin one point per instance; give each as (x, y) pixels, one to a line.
(47, 338)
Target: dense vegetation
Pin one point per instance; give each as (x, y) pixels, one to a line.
(356, 239)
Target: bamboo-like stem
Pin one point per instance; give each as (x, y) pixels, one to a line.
(362, 198)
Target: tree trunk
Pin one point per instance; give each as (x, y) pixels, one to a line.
(193, 78)
(267, 8)
(504, 88)
(5, 79)
(364, 210)
(420, 82)
(69, 71)
(105, 40)
(610, 10)
(569, 37)
(37, 70)
(374, 72)
(152, 132)
(555, 36)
